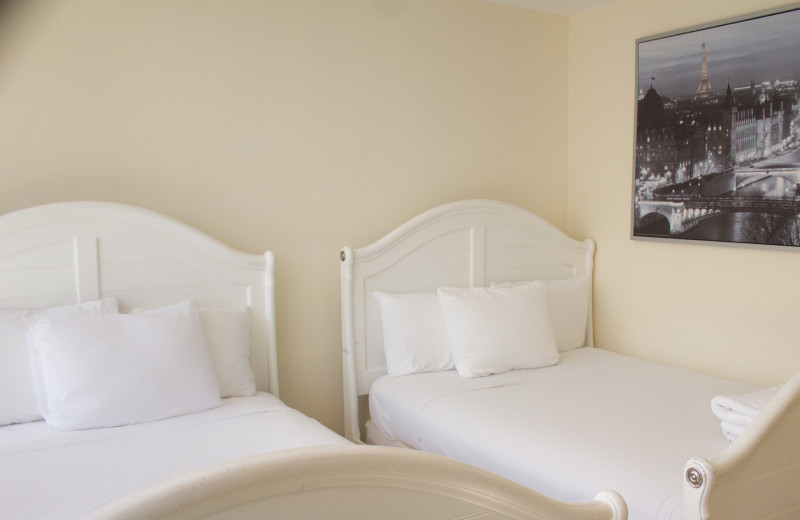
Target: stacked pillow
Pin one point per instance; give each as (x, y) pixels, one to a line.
(486, 330)
(414, 335)
(17, 395)
(227, 330)
(87, 366)
(568, 306)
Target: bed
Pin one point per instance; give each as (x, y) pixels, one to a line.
(572, 418)
(111, 304)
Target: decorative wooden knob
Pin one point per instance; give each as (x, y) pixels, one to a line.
(694, 477)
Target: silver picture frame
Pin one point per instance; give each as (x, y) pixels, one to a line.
(717, 133)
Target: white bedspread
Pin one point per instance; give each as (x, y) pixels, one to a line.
(66, 475)
(595, 421)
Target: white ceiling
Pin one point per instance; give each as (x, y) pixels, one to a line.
(562, 7)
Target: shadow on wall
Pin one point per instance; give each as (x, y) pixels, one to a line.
(6, 5)
(8, 8)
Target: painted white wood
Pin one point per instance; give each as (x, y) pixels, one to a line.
(757, 477)
(72, 252)
(352, 482)
(463, 244)
(66, 253)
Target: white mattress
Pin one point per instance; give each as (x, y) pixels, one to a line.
(66, 475)
(595, 421)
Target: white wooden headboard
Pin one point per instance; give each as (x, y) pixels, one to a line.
(462, 244)
(65, 253)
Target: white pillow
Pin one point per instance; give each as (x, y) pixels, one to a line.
(414, 337)
(228, 333)
(17, 394)
(112, 370)
(568, 303)
(494, 329)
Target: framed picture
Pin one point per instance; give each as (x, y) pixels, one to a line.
(717, 151)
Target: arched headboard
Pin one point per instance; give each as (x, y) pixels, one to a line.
(65, 253)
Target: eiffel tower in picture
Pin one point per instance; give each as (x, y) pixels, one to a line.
(704, 91)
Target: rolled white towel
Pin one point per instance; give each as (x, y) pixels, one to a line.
(737, 411)
(731, 431)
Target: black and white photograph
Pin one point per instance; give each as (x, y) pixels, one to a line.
(717, 152)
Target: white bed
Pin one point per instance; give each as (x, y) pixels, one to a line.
(52, 474)
(64, 254)
(243, 457)
(595, 420)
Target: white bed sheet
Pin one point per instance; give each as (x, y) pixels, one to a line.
(66, 475)
(597, 420)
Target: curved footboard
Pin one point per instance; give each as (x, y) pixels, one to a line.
(350, 482)
(758, 475)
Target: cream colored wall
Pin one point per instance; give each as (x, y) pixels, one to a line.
(724, 310)
(295, 125)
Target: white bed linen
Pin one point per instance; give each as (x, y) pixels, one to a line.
(45, 473)
(595, 421)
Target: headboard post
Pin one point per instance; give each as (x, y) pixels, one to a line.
(589, 270)
(269, 311)
(352, 429)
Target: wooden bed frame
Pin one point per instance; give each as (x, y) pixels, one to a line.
(352, 482)
(473, 243)
(69, 253)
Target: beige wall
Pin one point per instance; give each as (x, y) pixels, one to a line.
(724, 310)
(293, 125)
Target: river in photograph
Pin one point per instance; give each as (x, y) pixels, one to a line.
(755, 228)
(722, 227)
(745, 227)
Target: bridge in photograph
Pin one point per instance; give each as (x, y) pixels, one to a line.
(769, 188)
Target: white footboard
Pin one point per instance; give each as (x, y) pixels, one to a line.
(350, 482)
(758, 475)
